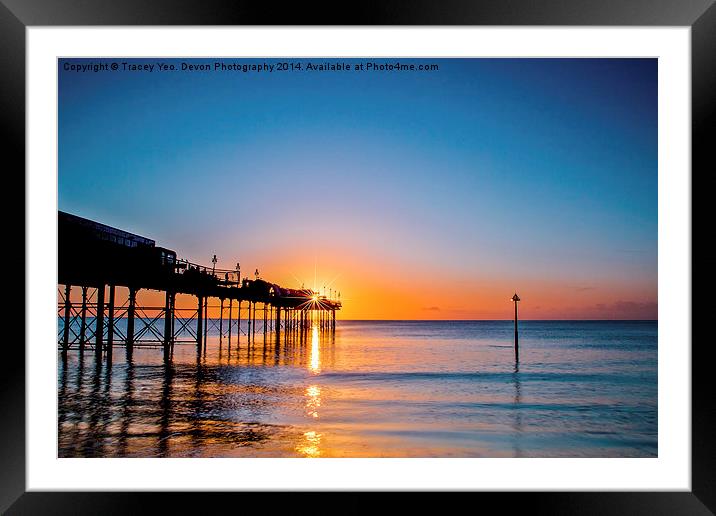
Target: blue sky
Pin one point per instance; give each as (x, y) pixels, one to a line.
(529, 171)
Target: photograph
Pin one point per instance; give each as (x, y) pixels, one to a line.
(357, 257)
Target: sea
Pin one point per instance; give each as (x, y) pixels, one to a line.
(370, 389)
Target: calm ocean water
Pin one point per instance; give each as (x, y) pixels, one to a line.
(375, 389)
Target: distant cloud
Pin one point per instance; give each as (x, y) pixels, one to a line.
(431, 308)
(629, 310)
(583, 289)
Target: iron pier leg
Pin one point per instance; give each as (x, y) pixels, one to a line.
(248, 322)
(130, 319)
(206, 319)
(99, 323)
(199, 321)
(264, 321)
(167, 323)
(174, 301)
(110, 323)
(83, 320)
(221, 321)
(68, 311)
(253, 321)
(238, 324)
(231, 306)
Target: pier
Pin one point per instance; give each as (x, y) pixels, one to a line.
(109, 266)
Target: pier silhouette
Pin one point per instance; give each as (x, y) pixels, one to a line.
(98, 259)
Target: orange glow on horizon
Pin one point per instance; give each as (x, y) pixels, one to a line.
(375, 288)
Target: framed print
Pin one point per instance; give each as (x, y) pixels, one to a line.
(435, 250)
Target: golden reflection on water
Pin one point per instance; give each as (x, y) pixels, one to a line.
(313, 401)
(310, 446)
(315, 363)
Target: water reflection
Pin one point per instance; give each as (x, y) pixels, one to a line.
(313, 400)
(125, 406)
(369, 389)
(517, 409)
(96, 415)
(219, 400)
(315, 365)
(165, 404)
(310, 445)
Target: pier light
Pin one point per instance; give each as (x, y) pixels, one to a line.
(515, 298)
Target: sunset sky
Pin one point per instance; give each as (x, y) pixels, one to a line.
(419, 195)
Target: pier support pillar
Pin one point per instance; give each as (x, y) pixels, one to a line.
(231, 306)
(278, 320)
(206, 319)
(253, 321)
(99, 322)
(221, 321)
(238, 324)
(110, 322)
(83, 319)
(174, 301)
(130, 318)
(248, 323)
(168, 317)
(68, 311)
(265, 319)
(199, 321)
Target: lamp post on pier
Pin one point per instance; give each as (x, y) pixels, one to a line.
(516, 299)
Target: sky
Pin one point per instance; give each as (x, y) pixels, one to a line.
(416, 194)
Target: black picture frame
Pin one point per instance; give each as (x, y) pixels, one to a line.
(700, 15)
